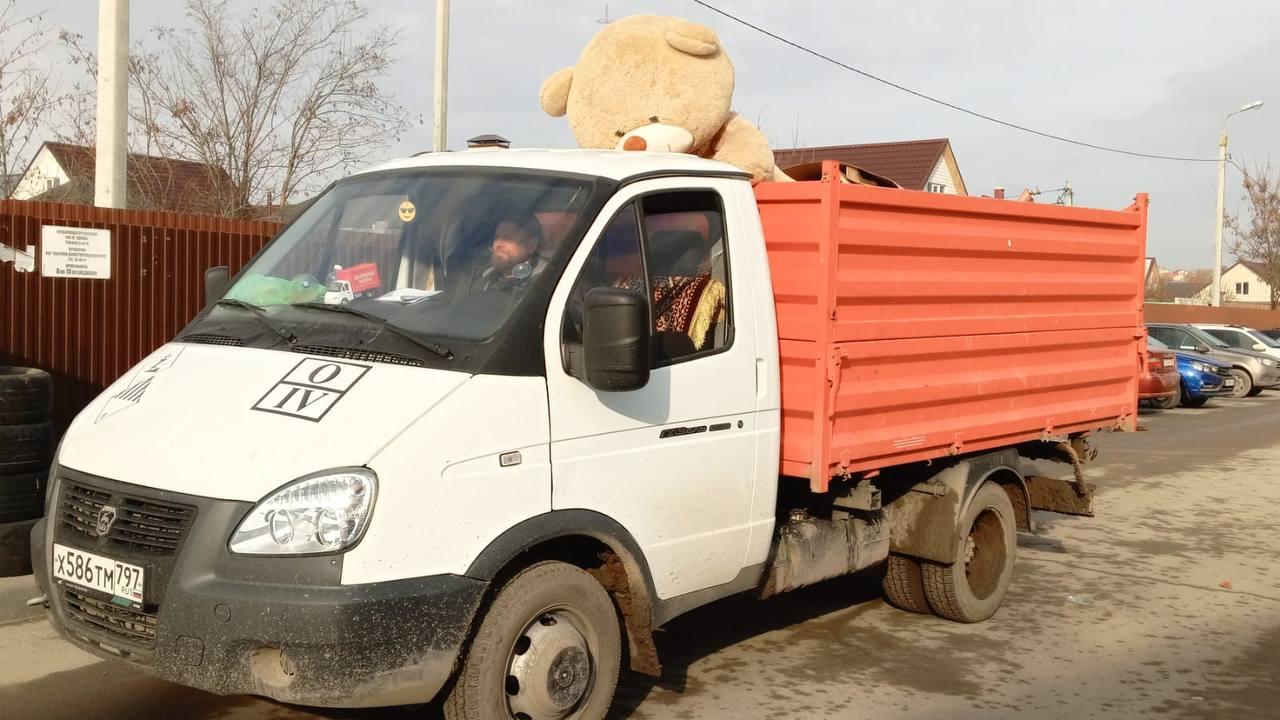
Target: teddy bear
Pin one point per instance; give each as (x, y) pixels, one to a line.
(656, 83)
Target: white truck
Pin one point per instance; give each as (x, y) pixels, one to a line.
(492, 479)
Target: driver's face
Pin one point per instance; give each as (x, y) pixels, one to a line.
(512, 245)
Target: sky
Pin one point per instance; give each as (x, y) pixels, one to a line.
(1153, 77)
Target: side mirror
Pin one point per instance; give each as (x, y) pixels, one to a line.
(1259, 347)
(1204, 349)
(216, 280)
(615, 339)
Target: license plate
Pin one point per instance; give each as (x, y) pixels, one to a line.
(1229, 383)
(122, 581)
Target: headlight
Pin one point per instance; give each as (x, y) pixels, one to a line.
(321, 513)
(1201, 367)
(1268, 362)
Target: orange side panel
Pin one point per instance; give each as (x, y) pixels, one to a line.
(915, 325)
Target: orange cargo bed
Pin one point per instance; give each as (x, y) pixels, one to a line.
(917, 325)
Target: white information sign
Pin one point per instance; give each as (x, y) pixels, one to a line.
(75, 252)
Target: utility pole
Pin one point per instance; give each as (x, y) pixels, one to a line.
(111, 154)
(1215, 292)
(440, 139)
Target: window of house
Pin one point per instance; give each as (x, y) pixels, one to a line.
(50, 183)
(671, 247)
(934, 187)
(1242, 288)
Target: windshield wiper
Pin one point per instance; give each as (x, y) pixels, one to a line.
(436, 348)
(260, 314)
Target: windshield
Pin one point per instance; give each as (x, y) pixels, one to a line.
(1262, 338)
(442, 258)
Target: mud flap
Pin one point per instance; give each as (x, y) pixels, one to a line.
(1060, 496)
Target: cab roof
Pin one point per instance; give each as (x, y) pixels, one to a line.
(613, 164)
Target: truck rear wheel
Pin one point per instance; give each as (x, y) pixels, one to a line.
(903, 584)
(549, 648)
(972, 588)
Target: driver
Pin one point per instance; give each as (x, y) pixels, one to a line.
(514, 254)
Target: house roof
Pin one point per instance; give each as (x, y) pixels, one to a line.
(1185, 289)
(155, 183)
(1256, 268)
(908, 163)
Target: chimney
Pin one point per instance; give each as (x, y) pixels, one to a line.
(999, 191)
(488, 141)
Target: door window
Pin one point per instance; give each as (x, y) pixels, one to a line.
(688, 275)
(1231, 337)
(670, 247)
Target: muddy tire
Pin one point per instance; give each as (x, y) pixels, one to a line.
(21, 497)
(971, 588)
(1168, 403)
(1194, 402)
(1244, 383)
(30, 441)
(26, 395)
(903, 584)
(1255, 392)
(549, 646)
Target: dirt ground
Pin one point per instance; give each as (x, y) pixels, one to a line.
(1174, 612)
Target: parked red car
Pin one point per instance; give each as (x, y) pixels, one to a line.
(1159, 381)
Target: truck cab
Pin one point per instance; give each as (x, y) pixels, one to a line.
(312, 500)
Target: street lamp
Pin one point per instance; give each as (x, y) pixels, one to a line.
(1216, 290)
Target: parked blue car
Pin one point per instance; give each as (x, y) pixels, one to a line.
(1202, 377)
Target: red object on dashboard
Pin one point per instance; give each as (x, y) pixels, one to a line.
(363, 277)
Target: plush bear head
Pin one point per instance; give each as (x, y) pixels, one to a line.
(645, 83)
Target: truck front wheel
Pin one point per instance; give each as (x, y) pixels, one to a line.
(549, 648)
(972, 588)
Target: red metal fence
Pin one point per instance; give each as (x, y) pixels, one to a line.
(87, 332)
(1260, 318)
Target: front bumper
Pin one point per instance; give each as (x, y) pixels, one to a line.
(285, 628)
(1270, 378)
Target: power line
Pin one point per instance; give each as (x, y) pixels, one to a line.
(944, 103)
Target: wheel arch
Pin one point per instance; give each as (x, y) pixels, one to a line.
(595, 543)
(925, 524)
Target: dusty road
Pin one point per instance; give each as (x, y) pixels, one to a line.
(1182, 617)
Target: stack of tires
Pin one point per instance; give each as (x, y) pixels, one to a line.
(26, 451)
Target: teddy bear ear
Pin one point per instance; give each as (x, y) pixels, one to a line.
(692, 38)
(554, 95)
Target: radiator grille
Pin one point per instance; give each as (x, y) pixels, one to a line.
(141, 523)
(134, 629)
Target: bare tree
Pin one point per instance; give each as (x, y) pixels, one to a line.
(26, 98)
(281, 98)
(1257, 236)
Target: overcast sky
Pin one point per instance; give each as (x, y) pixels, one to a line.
(1154, 77)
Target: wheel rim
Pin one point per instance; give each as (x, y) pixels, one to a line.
(985, 554)
(550, 670)
(1243, 384)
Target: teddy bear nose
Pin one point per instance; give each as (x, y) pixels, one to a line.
(635, 142)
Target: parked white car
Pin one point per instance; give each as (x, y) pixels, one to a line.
(1243, 338)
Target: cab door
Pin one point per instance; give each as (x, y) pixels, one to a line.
(674, 461)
